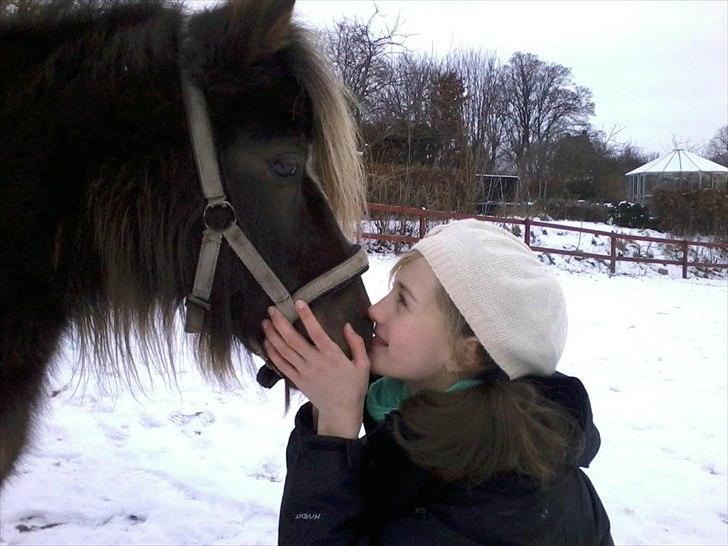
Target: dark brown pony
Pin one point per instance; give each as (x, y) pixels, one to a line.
(100, 201)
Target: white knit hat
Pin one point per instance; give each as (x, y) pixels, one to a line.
(513, 304)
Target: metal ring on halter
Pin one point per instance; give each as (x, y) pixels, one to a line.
(219, 216)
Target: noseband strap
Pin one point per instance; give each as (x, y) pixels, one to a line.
(220, 222)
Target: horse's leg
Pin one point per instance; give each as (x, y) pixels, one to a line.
(29, 334)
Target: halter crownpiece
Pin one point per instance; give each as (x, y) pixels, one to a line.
(220, 222)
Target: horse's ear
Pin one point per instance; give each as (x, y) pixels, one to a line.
(272, 24)
(241, 31)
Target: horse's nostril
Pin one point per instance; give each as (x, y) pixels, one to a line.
(365, 328)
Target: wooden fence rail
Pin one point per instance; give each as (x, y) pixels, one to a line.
(424, 215)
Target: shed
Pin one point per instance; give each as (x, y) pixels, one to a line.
(493, 189)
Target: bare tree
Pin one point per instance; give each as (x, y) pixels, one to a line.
(717, 148)
(681, 142)
(401, 130)
(483, 109)
(420, 129)
(542, 104)
(364, 58)
(463, 115)
(407, 96)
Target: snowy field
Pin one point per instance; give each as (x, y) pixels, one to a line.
(195, 465)
(564, 239)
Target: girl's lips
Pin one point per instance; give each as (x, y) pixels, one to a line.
(378, 341)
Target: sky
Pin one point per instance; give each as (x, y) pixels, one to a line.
(658, 70)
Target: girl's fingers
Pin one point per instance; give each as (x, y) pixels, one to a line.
(317, 334)
(281, 363)
(290, 336)
(281, 345)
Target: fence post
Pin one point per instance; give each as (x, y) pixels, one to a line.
(613, 263)
(685, 259)
(527, 232)
(423, 226)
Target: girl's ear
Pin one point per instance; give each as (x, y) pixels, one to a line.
(468, 354)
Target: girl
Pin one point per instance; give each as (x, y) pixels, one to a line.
(471, 435)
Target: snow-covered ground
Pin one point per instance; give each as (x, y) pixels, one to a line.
(202, 466)
(599, 244)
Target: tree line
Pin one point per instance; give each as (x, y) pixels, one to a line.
(472, 113)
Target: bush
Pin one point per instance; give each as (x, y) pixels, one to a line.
(571, 209)
(633, 215)
(434, 188)
(692, 211)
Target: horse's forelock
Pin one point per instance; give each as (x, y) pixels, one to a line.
(254, 30)
(337, 158)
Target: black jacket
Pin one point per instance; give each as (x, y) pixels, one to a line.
(367, 491)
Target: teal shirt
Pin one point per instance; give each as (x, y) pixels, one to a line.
(387, 394)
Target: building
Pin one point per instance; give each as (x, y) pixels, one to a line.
(494, 189)
(678, 169)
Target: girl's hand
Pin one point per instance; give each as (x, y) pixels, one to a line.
(335, 385)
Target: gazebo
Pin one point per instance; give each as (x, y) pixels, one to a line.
(676, 169)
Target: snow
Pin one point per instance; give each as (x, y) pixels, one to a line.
(197, 465)
(563, 239)
(600, 244)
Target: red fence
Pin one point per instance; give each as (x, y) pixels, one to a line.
(423, 215)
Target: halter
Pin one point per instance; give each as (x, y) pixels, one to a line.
(221, 222)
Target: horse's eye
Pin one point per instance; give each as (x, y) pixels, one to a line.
(284, 167)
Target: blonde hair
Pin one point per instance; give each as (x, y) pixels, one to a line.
(336, 139)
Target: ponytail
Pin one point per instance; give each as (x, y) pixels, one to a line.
(497, 427)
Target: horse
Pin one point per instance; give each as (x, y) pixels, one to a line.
(138, 137)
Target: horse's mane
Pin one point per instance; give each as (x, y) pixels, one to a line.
(335, 137)
(127, 225)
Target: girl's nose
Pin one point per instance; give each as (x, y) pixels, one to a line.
(375, 313)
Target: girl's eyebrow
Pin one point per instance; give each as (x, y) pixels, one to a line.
(405, 289)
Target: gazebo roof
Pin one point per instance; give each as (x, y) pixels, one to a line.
(679, 161)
